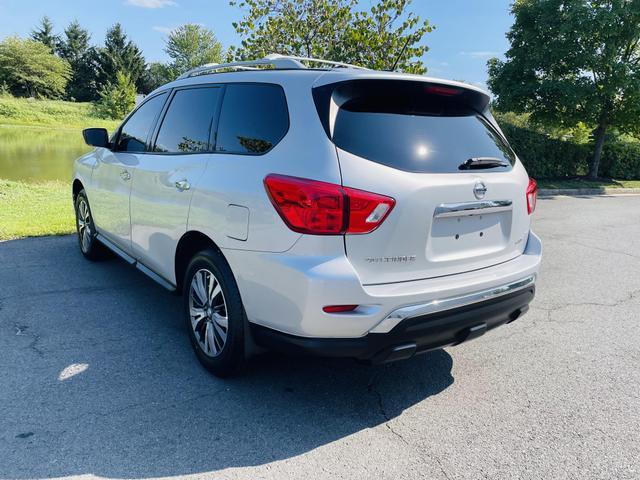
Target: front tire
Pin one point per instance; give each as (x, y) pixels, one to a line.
(90, 247)
(214, 314)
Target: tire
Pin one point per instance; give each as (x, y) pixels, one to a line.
(90, 247)
(214, 314)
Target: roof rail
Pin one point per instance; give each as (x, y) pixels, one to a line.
(279, 62)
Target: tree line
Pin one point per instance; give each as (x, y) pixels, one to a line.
(67, 65)
(571, 63)
(49, 65)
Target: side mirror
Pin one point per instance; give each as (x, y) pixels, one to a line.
(96, 137)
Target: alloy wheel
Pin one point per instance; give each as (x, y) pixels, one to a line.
(208, 312)
(84, 224)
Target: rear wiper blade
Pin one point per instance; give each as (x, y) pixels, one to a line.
(482, 162)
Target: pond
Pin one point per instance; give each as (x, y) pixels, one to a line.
(36, 154)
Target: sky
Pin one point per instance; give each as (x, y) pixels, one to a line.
(467, 33)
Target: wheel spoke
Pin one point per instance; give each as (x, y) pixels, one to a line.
(205, 338)
(220, 320)
(197, 315)
(211, 338)
(222, 333)
(200, 288)
(213, 293)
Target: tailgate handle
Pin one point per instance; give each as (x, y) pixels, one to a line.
(471, 208)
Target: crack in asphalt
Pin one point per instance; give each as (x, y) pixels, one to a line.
(21, 330)
(550, 311)
(628, 298)
(573, 241)
(372, 388)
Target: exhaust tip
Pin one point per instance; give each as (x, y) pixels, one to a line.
(393, 354)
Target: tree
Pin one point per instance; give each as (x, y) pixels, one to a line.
(192, 45)
(29, 68)
(119, 55)
(332, 29)
(75, 43)
(44, 34)
(74, 48)
(572, 61)
(374, 41)
(155, 75)
(117, 98)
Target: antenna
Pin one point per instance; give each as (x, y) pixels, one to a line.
(395, 64)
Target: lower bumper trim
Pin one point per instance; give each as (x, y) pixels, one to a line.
(395, 317)
(412, 335)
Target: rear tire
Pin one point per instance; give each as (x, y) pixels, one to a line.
(90, 247)
(214, 314)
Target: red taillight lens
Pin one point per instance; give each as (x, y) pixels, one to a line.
(366, 210)
(339, 308)
(320, 208)
(532, 195)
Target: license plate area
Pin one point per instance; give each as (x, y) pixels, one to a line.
(471, 235)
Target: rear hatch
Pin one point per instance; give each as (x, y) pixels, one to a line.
(459, 191)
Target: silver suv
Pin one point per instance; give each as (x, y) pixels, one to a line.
(335, 211)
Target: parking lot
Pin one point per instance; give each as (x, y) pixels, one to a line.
(97, 378)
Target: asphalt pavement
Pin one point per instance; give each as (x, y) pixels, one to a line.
(97, 378)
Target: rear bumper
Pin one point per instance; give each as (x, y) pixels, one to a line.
(411, 336)
(287, 291)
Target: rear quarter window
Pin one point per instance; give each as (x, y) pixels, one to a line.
(406, 126)
(253, 119)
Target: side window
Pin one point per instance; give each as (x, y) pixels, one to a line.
(186, 127)
(134, 133)
(254, 118)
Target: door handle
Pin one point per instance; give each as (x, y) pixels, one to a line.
(125, 175)
(183, 185)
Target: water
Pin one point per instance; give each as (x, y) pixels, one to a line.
(35, 154)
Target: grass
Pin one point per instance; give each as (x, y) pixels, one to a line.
(585, 183)
(50, 113)
(35, 209)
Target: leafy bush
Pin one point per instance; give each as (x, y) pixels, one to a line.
(621, 160)
(548, 157)
(117, 99)
(28, 68)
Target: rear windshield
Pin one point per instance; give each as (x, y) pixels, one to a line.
(411, 126)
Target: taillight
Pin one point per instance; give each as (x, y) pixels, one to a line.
(532, 195)
(320, 208)
(366, 210)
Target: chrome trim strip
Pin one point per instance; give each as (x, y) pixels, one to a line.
(439, 305)
(154, 276)
(115, 249)
(132, 261)
(471, 208)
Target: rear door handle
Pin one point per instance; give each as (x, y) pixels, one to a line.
(125, 175)
(183, 185)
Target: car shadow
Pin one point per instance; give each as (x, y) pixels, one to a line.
(97, 377)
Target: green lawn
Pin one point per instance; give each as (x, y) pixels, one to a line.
(50, 113)
(584, 183)
(35, 209)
